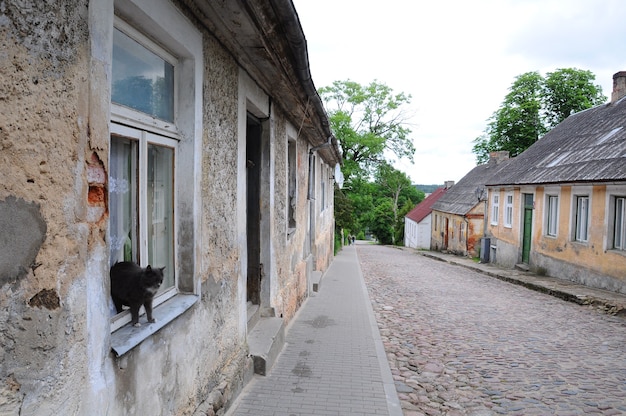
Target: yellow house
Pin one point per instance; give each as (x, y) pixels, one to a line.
(458, 216)
(560, 207)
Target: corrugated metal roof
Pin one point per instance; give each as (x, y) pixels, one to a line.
(461, 198)
(589, 146)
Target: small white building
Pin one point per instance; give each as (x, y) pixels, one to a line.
(417, 221)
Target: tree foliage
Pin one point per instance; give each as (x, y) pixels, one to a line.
(391, 183)
(369, 121)
(382, 224)
(533, 105)
(568, 91)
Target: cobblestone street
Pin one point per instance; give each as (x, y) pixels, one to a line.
(462, 343)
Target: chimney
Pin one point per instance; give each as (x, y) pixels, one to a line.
(619, 86)
(448, 184)
(499, 156)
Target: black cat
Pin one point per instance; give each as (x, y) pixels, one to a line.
(133, 286)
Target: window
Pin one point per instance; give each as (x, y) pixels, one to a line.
(142, 159)
(552, 210)
(582, 219)
(292, 190)
(619, 223)
(323, 193)
(155, 133)
(142, 80)
(495, 209)
(141, 192)
(508, 210)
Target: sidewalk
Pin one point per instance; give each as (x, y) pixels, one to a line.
(608, 302)
(333, 362)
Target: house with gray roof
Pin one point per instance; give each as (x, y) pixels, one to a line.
(458, 215)
(560, 206)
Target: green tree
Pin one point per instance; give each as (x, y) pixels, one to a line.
(361, 193)
(369, 121)
(382, 223)
(404, 209)
(517, 123)
(392, 183)
(567, 91)
(344, 208)
(534, 105)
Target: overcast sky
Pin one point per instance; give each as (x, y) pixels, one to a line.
(457, 59)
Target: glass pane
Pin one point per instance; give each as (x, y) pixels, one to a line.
(123, 200)
(141, 79)
(581, 219)
(619, 224)
(160, 205)
(552, 215)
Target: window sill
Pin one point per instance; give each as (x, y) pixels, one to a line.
(128, 337)
(617, 251)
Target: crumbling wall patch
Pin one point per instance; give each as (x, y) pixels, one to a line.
(23, 233)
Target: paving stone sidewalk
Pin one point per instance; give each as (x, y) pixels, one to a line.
(333, 362)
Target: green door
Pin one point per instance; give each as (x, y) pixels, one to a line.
(528, 227)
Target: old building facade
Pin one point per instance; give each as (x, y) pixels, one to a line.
(180, 134)
(458, 216)
(417, 223)
(559, 207)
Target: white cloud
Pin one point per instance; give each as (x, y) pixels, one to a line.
(458, 58)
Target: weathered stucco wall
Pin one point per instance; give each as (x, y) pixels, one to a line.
(591, 263)
(54, 322)
(45, 152)
(290, 254)
(506, 239)
(55, 330)
(453, 237)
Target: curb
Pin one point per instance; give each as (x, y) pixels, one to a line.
(548, 285)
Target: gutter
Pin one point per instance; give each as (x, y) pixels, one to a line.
(288, 16)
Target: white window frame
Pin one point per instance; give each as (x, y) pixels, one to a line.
(618, 222)
(508, 210)
(132, 117)
(495, 208)
(160, 21)
(552, 215)
(144, 138)
(581, 213)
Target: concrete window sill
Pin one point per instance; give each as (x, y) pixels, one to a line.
(128, 337)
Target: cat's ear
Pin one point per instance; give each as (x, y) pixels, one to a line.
(149, 268)
(162, 268)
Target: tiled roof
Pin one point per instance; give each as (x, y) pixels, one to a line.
(461, 197)
(589, 146)
(424, 208)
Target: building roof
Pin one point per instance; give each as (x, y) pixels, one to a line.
(424, 208)
(267, 40)
(463, 196)
(589, 146)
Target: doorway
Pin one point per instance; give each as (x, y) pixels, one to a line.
(445, 233)
(253, 204)
(528, 226)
